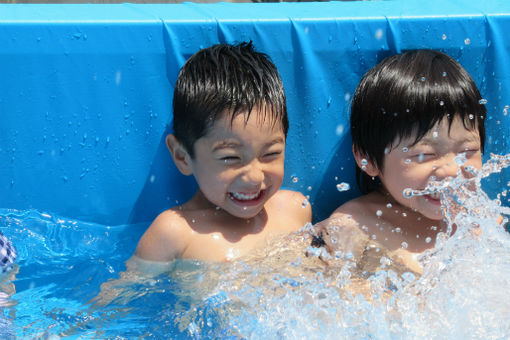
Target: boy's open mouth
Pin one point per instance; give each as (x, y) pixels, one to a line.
(434, 197)
(247, 198)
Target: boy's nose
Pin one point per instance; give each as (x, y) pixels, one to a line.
(446, 168)
(253, 174)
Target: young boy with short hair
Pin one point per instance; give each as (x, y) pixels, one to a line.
(230, 126)
(411, 115)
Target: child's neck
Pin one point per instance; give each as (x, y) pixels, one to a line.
(418, 231)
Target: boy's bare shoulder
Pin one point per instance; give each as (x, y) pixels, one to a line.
(166, 238)
(284, 194)
(294, 205)
(357, 209)
(343, 228)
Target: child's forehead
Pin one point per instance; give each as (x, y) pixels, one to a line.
(254, 120)
(444, 131)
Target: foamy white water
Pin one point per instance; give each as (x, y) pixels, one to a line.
(463, 292)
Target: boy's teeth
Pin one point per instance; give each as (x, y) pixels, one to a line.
(241, 196)
(435, 195)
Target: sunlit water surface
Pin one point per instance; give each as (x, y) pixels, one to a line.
(279, 292)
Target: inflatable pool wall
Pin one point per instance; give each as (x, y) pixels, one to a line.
(86, 91)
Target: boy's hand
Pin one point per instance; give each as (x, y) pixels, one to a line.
(341, 235)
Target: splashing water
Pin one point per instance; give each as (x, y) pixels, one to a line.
(286, 290)
(462, 292)
(460, 190)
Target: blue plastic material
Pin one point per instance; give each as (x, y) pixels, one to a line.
(86, 91)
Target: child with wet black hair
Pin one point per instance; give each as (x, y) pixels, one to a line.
(411, 115)
(230, 127)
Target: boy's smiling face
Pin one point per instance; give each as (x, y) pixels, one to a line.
(413, 166)
(239, 165)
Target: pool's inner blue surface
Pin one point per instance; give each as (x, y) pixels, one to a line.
(62, 264)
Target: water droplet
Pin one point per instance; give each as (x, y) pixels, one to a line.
(482, 101)
(389, 205)
(435, 134)
(404, 245)
(407, 161)
(374, 237)
(379, 34)
(444, 74)
(441, 103)
(471, 116)
(422, 79)
(467, 41)
(364, 163)
(420, 158)
(428, 239)
(305, 203)
(443, 36)
(505, 109)
(405, 149)
(433, 227)
(408, 193)
(343, 186)
(378, 213)
(386, 151)
(294, 178)
(398, 230)
(309, 188)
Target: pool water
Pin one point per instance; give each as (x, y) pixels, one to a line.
(71, 282)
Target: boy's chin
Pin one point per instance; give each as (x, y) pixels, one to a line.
(433, 215)
(245, 214)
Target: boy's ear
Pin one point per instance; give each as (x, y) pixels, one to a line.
(181, 157)
(365, 164)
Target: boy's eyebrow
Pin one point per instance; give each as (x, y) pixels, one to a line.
(225, 144)
(275, 141)
(433, 141)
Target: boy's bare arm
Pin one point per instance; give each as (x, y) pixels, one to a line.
(165, 239)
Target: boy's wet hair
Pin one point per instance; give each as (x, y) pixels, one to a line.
(226, 79)
(407, 95)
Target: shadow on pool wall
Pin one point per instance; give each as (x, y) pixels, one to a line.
(86, 92)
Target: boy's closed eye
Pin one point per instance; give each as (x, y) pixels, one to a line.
(229, 158)
(470, 150)
(422, 153)
(270, 155)
(424, 157)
